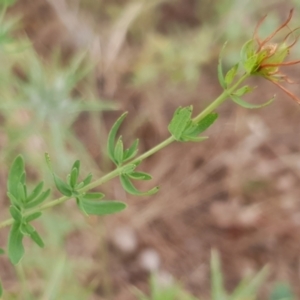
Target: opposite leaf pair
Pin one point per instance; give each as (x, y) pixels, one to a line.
(88, 203)
(21, 203)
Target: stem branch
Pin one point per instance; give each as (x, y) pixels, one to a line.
(210, 108)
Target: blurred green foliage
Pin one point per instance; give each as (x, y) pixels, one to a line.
(41, 99)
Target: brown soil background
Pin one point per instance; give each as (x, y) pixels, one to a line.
(238, 192)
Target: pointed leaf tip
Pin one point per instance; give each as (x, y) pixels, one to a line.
(112, 137)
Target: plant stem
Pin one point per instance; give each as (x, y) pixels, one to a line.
(210, 108)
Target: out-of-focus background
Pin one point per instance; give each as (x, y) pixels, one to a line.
(71, 68)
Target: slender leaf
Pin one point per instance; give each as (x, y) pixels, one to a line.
(140, 176)
(217, 288)
(132, 151)
(180, 121)
(73, 177)
(15, 244)
(102, 207)
(243, 90)
(14, 177)
(21, 192)
(80, 206)
(128, 169)
(15, 213)
(48, 161)
(245, 104)
(2, 251)
(119, 151)
(13, 199)
(23, 178)
(201, 126)
(36, 191)
(220, 69)
(41, 198)
(248, 50)
(230, 75)
(33, 216)
(80, 185)
(93, 196)
(63, 187)
(74, 173)
(112, 137)
(34, 235)
(87, 180)
(76, 165)
(130, 188)
(1, 289)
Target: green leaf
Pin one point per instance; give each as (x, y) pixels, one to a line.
(250, 65)
(93, 196)
(112, 137)
(128, 169)
(76, 165)
(48, 161)
(13, 199)
(202, 125)
(74, 173)
(132, 151)
(140, 176)
(15, 213)
(102, 207)
(217, 288)
(119, 151)
(248, 50)
(21, 192)
(245, 104)
(73, 177)
(180, 121)
(2, 251)
(130, 188)
(23, 178)
(80, 206)
(34, 235)
(87, 179)
(63, 187)
(36, 191)
(33, 216)
(230, 75)
(243, 90)
(15, 243)
(14, 177)
(1, 289)
(41, 198)
(220, 69)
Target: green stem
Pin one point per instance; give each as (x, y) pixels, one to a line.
(210, 108)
